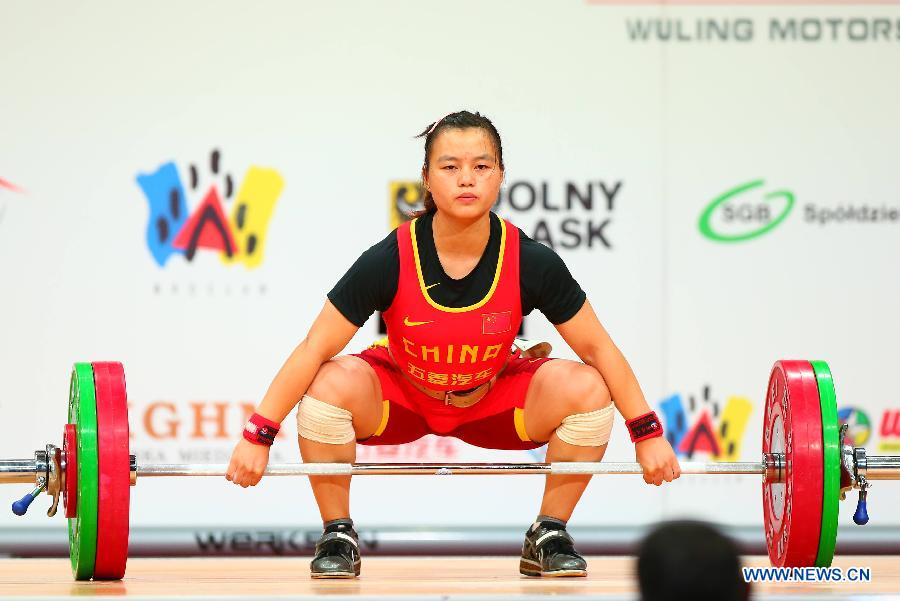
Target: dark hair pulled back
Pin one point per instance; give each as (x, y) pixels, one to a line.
(458, 120)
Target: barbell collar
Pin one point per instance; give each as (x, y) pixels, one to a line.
(859, 462)
(773, 467)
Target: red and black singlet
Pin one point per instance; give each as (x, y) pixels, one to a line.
(446, 348)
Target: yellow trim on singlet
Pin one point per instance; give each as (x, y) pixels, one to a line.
(380, 342)
(424, 288)
(385, 414)
(519, 418)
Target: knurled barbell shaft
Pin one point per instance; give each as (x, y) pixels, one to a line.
(424, 469)
(880, 467)
(15, 471)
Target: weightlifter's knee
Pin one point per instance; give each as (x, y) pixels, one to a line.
(337, 396)
(588, 429)
(590, 420)
(321, 422)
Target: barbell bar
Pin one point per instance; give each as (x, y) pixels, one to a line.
(874, 467)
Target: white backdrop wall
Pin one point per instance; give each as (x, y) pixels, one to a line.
(799, 100)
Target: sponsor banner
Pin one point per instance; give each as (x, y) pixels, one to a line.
(748, 22)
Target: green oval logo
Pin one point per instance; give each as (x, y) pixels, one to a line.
(706, 227)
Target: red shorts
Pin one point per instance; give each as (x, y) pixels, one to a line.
(497, 421)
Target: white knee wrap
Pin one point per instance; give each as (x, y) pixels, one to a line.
(590, 429)
(322, 422)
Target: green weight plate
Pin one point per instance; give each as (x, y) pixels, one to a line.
(83, 527)
(831, 450)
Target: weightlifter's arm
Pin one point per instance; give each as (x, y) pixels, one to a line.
(327, 337)
(589, 339)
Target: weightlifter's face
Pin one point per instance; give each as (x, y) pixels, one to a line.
(463, 174)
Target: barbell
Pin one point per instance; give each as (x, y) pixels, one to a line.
(806, 468)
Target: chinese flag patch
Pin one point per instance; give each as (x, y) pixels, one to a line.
(496, 323)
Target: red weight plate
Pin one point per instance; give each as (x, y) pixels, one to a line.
(115, 476)
(70, 492)
(793, 426)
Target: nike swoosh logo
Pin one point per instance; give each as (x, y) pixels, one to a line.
(410, 324)
(432, 286)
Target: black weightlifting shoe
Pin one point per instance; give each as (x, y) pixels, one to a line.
(548, 551)
(337, 552)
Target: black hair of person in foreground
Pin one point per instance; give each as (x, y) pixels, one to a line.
(687, 560)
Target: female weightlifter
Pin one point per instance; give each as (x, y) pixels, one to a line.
(453, 285)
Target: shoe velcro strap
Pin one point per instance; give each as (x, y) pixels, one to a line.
(551, 534)
(330, 536)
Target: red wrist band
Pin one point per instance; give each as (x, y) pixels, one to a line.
(260, 430)
(644, 426)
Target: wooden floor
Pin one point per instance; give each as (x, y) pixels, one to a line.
(391, 577)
